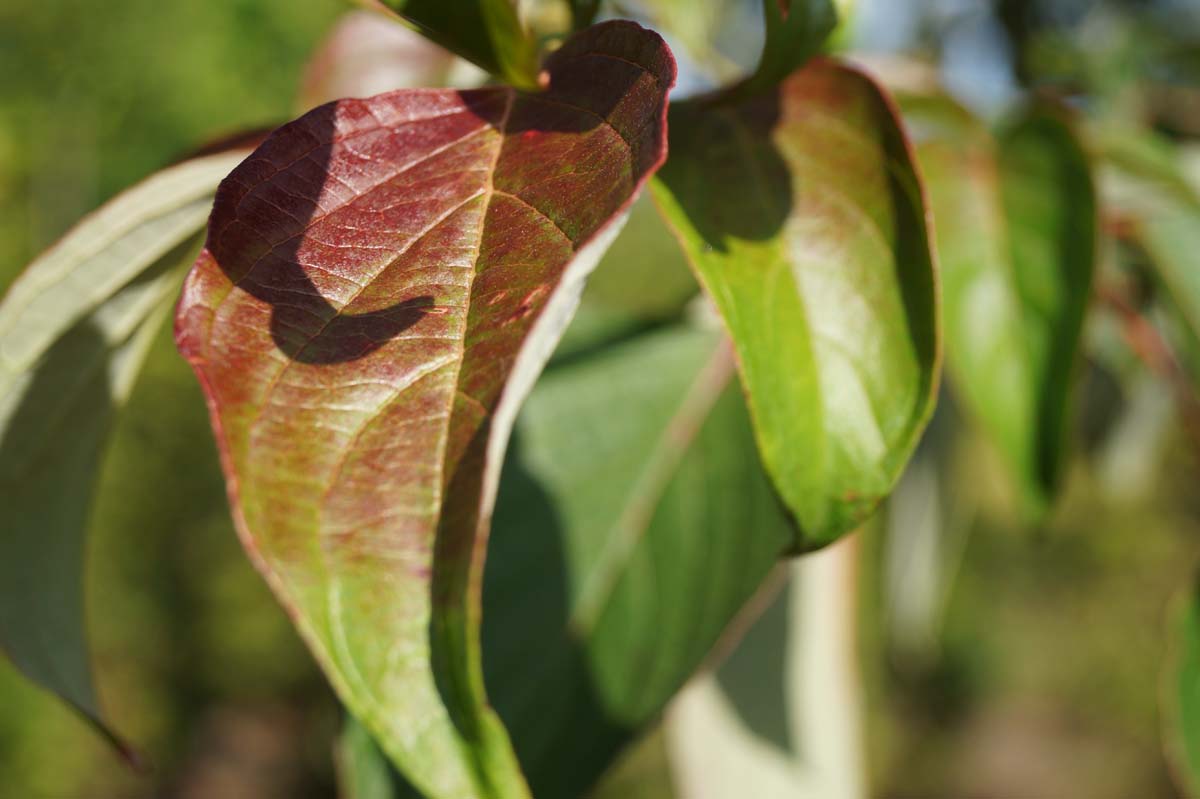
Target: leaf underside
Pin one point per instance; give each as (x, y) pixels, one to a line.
(624, 544)
(801, 212)
(74, 329)
(382, 282)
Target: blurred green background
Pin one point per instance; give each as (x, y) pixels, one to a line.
(195, 660)
(1033, 672)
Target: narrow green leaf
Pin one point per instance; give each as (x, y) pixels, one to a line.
(1016, 227)
(801, 212)
(624, 544)
(1181, 697)
(382, 282)
(74, 329)
(488, 33)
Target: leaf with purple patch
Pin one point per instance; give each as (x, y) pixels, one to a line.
(382, 283)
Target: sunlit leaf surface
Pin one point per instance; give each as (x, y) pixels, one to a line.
(802, 213)
(382, 282)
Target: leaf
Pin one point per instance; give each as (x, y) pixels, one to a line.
(643, 280)
(74, 329)
(1181, 697)
(802, 215)
(382, 283)
(1016, 228)
(623, 546)
(488, 33)
(1145, 184)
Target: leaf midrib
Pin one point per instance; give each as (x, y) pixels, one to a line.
(633, 521)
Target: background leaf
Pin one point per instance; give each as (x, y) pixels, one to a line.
(1146, 189)
(802, 215)
(1016, 228)
(624, 544)
(583, 12)
(74, 329)
(642, 281)
(383, 281)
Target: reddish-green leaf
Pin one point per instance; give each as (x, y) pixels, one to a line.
(801, 211)
(382, 282)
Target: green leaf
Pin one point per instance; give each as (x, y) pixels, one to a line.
(1145, 185)
(488, 33)
(801, 212)
(1016, 229)
(634, 522)
(795, 31)
(1181, 697)
(74, 329)
(382, 283)
(643, 280)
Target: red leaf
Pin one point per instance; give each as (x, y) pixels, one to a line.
(382, 281)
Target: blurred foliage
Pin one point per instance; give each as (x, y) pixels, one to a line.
(197, 663)
(1043, 677)
(1040, 674)
(92, 99)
